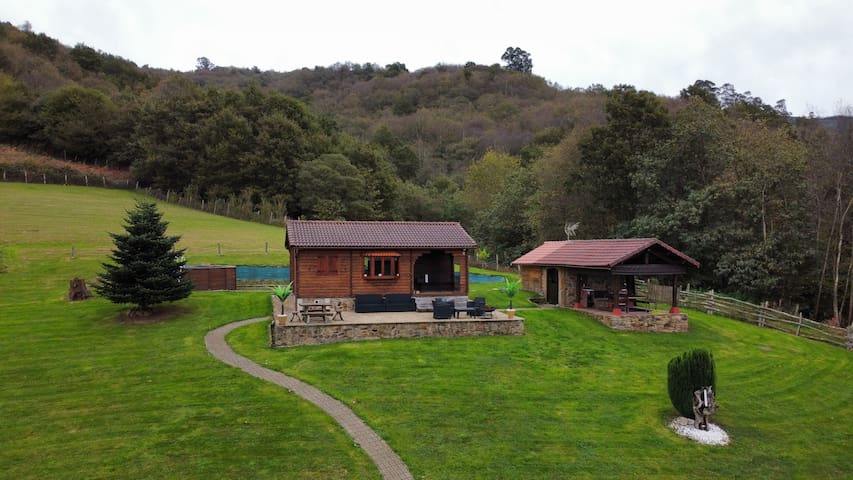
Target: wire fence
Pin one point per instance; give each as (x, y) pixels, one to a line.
(762, 315)
(59, 177)
(242, 206)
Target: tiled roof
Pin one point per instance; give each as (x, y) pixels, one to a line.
(594, 253)
(330, 234)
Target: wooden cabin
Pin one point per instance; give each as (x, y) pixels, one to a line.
(339, 260)
(577, 273)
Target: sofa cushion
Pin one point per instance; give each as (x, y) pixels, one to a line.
(369, 303)
(400, 302)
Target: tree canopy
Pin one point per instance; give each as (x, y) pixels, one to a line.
(517, 60)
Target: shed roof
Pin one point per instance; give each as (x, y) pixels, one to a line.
(604, 254)
(340, 234)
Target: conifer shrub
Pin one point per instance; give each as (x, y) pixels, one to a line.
(687, 373)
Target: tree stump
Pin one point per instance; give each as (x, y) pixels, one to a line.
(78, 290)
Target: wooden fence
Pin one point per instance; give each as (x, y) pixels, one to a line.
(761, 315)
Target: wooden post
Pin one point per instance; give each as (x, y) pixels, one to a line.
(799, 324)
(850, 337)
(709, 305)
(761, 313)
(104, 181)
(66, 179)
(72, 250)
(26, 180)
(86, 177)
(44, 178)
(219, 249)
(267, 248)
(674, 303)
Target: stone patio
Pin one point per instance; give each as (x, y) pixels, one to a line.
(379, 325)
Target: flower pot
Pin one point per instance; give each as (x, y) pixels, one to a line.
(281, 319)
(510, 313)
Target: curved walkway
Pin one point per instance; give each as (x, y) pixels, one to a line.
(389, 463)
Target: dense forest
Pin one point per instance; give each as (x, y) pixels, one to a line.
(763, 200)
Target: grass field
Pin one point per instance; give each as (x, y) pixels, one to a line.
(86, 396)
(574, 399)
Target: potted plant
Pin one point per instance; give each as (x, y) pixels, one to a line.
(282, 292)
(510, 288)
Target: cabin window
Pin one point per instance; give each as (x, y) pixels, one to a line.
(381, 266)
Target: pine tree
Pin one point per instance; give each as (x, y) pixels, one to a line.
(147, 268)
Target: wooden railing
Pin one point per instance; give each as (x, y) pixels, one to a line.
(761, 315)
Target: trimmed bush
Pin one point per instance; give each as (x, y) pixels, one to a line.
(687, 373)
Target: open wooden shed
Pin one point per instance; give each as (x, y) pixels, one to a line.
(574, 273)
(339, 259)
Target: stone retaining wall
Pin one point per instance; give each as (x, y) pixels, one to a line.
(644, 322)
(300, 334)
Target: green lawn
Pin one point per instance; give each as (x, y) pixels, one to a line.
(85, 396)
(572, 398)
(46, 220)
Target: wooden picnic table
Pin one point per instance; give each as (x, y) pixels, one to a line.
(322, 311)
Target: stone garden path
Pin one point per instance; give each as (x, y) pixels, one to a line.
(389, 463)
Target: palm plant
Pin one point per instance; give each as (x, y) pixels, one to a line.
(282, 292)
(510, 288)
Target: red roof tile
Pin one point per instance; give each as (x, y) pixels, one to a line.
(331, 234)
(594, 253)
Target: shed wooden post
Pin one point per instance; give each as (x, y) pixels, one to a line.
(674, 303)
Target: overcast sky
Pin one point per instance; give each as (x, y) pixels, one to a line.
(799, 50)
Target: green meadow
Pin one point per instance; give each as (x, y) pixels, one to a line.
(85, 395)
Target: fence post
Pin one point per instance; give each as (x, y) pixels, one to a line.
(26, 180)
(72, 250)
(87, 179)
(66, 179)
(219, 249)
(761, 313)
(850, 337)
(104, 181)
(799, 323)
(44, 178)
(709, 305)
(267, 248)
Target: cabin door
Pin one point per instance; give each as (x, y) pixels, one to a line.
(552, 290)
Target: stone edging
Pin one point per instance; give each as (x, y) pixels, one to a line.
(390, 464)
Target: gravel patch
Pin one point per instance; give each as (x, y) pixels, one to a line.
(713, 436)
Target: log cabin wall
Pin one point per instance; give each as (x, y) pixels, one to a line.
(320, 273)
(324, 273)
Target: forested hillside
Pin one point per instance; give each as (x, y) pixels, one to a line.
(763, 200)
